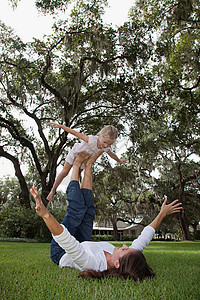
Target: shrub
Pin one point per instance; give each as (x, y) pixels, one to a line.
(21, 222)
(102, 237)
(197, 235)
(129, 237)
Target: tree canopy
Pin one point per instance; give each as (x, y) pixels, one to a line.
(143, 77)
(169, 139)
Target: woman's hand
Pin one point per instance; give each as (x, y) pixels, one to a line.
(53, 225)
(166, 209)
(41, 210)
(173, 207)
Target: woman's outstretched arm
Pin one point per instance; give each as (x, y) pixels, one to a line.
(53, 225)
(166, 209)
(62, 236)
(148, 232)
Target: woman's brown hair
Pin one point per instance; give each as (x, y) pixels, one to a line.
(132, 265)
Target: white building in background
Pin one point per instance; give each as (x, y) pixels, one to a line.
(134, 230)
(123, 229)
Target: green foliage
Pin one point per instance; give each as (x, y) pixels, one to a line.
(18, 222)
(51, 6)
(129, 237)
(46, 6)
(71, 77)
(197, 235)
(25, 223)
(121, 194)
(167, 137)
(9, 194)
(102, 237)
(142, 77)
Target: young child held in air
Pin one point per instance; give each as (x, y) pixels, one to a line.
(91, 144)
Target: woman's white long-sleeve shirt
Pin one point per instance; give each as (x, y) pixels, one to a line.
(90, 255)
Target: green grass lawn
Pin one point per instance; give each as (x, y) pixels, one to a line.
(26, 272)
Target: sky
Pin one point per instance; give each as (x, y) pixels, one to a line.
(28, 23)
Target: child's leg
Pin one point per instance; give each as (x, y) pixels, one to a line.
(61, 176)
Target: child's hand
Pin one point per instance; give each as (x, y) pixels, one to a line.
(55, 125)
(122, 161)
(50, 196)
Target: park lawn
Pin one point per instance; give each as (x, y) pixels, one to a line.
(26, 272)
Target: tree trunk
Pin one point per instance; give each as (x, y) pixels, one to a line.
(184, 227)
(115, 230)
(24, 194)
(185, 231)
(44, 195)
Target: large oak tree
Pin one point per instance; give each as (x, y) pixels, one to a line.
(81, 76)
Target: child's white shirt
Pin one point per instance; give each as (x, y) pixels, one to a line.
(90, 255)
(90, 147)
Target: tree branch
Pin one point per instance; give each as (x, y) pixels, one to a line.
(23, 140)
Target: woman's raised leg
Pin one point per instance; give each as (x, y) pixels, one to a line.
(76, 205)
(76, 208)
(85, 229)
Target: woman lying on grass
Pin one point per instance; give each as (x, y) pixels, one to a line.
(100, 259)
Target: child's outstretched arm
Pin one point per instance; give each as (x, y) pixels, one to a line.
(79, 135)
(115, 157)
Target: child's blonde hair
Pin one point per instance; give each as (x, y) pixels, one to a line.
(109, 131)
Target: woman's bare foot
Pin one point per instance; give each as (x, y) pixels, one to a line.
(41, 210)
(89, 162)
(80, 158)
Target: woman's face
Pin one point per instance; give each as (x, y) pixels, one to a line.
(119, 252)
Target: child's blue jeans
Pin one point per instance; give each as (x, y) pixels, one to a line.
(78, 219)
